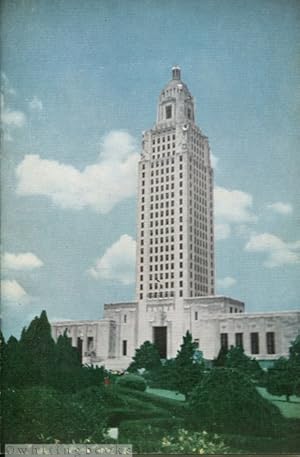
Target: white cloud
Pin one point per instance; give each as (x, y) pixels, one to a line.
(10, 119)
(99, 186)
(35, 104)
(13, 292)
(226, 282)
(233, 206)
(13, 118)
(222, 231)
(6, 86)
(278, 252)
(118, 262)
(22, 261)
(214, 160)
(281, 208)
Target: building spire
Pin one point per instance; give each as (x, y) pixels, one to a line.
(176, 72)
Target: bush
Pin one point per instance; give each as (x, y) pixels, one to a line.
(132, 381)
(183, 441)
(40, 415)
(226, 401)
(174, 406)
(146, 435)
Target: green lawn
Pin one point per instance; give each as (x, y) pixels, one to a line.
(289, 409)
(166, 393)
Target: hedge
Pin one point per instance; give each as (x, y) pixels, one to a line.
(132, 381)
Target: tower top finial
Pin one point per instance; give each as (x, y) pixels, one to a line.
(176, 72)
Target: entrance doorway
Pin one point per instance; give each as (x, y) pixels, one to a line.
(160, 340)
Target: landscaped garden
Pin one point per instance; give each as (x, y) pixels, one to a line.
(176, 406)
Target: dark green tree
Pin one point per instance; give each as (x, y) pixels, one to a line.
(188, 371)
(13, 364)
(147, 357)
(280, 379)
(284, 377)
(38, 349)
(221, 358)
(67, 366)
(227, 401)
(294, 363)
(236, 358)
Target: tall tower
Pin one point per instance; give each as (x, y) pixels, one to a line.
(175, 233)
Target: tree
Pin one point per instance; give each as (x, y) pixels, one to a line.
(13, 364)
(294, 363)
(284, 377)
(279, 379)
(188, 371)
(236, 358)
(221, 358)
(226, 401)
(67, 365)
(38, 349)
(147, 357)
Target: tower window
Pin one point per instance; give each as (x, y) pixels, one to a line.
(189, 113)
(168, 112)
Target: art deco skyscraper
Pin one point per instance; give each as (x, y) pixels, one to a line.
(175, 232)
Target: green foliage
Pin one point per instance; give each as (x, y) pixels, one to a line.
(227, 401)
(186, 442)
(237, 359)
(280, 379)
(221, 358)
(162, 377)
(187, 371)
(132, 381)
(284, 377)
(147, 357)
(67, 366)
(40, 414)
(174, 407)
(146, 435)
(38, 351)
(45, 362)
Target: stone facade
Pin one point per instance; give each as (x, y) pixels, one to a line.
(175, 273)
(211, 320)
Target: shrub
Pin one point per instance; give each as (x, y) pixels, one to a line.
(174, 406)
(39, 414)
(146, 435)
(226, 401)
(132, 381)
(183, 441)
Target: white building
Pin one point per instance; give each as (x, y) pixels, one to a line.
(175, 278)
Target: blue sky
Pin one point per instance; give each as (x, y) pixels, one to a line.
(80, 83)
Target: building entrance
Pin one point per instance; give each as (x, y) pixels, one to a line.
(160, 340)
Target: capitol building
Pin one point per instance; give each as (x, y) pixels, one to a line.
(175, 261)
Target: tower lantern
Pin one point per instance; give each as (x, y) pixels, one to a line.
(176, 72)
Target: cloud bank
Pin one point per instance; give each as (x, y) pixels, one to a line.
(98, 187)
(13, 292)
(233, 208)
(22, 261)
(281, 208)
(117, 263)
(277, 251)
